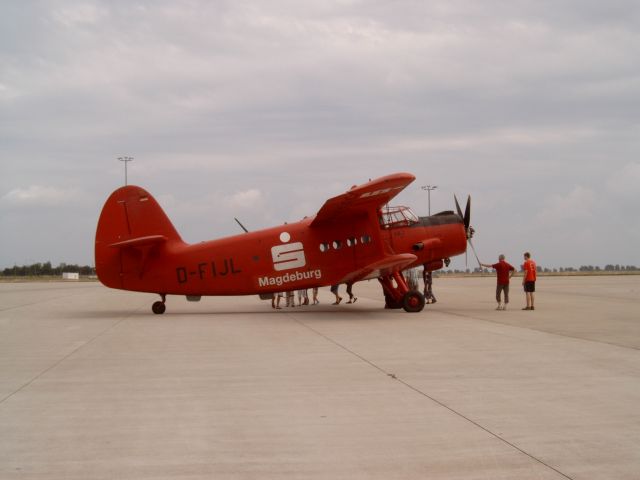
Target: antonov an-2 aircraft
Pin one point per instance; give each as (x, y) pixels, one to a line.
(354, 236)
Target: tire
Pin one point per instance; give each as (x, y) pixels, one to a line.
(413, 301)
(389, 302)
(158, 308)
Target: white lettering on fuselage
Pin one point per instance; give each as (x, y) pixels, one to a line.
(288, 256)
(382, 191)
(289, 278)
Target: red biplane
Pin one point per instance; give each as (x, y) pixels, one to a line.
(354, 236)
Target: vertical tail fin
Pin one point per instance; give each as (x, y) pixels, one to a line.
(131, 227)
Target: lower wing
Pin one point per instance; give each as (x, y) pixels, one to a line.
(386, 266)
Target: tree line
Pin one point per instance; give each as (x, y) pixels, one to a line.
(46, 269)
(583, 268)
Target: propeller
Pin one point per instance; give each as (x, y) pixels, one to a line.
(466, 218)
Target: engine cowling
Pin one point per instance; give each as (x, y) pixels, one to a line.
(435, 265)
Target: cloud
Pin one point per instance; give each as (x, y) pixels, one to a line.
(247, 199)
(75, 15)
(625, 182)
(576, 205)
(40, 196)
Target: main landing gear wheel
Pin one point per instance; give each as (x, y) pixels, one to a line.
(413, 301)
(397, 293)
(159, 307)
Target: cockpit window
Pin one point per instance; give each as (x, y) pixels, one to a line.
(391, 217)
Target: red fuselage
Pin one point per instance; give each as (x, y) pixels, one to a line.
(351, 239)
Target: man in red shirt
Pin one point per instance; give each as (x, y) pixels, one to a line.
(529, 280)
(505, 272)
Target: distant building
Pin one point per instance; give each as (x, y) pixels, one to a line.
(70, 276)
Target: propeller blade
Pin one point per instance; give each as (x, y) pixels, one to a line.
(458, 206)
(475, 254)
(467, 214)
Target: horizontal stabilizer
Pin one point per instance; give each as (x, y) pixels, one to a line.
(147, 241)
(386, 266)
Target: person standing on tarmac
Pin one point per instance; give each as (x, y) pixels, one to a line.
(334, 290)
(529, 280)
(504, 273)
(352, 297)
(275, 300)
(427, 277)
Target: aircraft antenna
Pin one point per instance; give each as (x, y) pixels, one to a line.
(241, 225)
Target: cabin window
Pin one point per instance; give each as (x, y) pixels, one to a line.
(352, 241)
(337, 244)
(365, 239)
(324, 247)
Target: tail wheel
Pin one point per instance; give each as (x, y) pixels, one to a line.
(159, 307)
(413, 301)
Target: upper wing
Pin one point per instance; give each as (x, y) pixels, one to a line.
(360, 199)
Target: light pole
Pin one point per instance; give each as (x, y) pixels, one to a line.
(428, 188)
(125, 160)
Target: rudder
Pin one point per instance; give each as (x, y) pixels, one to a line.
(132, 225)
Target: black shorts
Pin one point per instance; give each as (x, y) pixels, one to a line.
(530, 287)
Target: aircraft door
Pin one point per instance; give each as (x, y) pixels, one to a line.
(363, 240)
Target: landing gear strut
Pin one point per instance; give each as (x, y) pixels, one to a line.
(398, 295)
(159, 307)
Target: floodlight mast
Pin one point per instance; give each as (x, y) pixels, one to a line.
(125, 160)
(428, 188)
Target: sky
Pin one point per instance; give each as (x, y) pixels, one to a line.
(262, 110)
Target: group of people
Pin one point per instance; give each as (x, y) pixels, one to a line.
(290, 301)
(334, 290)
(503, 270)
(303, 297)
(504, 273)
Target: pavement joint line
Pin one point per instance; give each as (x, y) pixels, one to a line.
(495, 322)
(88, 342)
(433, 399)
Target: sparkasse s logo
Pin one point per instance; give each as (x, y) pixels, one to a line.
(288, 255)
